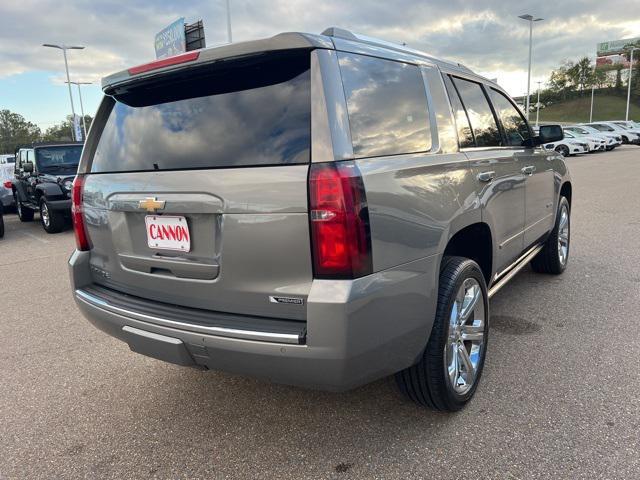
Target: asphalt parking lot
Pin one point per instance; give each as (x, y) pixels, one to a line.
(558, 399)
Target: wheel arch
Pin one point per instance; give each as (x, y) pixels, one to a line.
(474, 241)
(566, 191)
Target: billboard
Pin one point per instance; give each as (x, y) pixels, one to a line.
(171, 40)
(195, 36)
(612, 53)
(616, 47)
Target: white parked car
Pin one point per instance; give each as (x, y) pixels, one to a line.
(568, 147)
(628, 125)
(595, 144)
(7, 163)
(628, 136)
(613, 139)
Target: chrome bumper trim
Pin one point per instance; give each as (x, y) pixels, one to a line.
(102, 304)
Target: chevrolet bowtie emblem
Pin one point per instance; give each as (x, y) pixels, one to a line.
(151, 204)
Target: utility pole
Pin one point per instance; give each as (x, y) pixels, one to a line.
(629, 86)
(64, 49)
(531, 19)
(229, 37)
(84, 123)
(538, 104)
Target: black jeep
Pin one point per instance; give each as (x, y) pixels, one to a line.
(44, 174)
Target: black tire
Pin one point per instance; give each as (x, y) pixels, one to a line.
(625, 140)
(1, 223)
(51, 220)
(563, 150)
(550, 260)
(25, 214)
(427, 382)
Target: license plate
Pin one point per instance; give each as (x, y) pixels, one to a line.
(168, 233)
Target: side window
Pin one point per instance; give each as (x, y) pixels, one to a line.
(515, 126)
(465, 136)
(483, 122)
(387, 106)
(19, 160)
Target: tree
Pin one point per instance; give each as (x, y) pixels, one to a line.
(584, 73)
(16, 131)
(62, 132)
(600, 78)
(618, 84)
(559, 81)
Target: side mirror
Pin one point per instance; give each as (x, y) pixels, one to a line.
(27, 167)
(550, 133)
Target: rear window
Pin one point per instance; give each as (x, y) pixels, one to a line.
(387, 106)
(58, 159)
(247, 113)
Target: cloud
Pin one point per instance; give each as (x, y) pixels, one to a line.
(485, 35)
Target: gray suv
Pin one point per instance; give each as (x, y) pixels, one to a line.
(317, 210)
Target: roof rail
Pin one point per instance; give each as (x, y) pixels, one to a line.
(345, 34)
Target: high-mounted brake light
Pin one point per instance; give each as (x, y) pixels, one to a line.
(77, 214)
(165, 62)
(339, 217)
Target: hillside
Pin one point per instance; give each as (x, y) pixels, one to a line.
(605, 107)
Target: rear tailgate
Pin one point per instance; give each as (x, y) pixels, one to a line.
(196, 194)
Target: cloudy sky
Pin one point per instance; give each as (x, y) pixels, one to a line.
(486, 35)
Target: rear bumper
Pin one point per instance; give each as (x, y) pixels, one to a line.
(356, 331)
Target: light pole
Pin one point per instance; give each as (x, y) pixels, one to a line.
(629, 86)
(84, 124)
(538, 104)
(64, 49)
(229, 22)
(530, 19)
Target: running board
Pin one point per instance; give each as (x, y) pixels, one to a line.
(512, 270)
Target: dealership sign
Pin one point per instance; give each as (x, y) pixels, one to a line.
(171, 40)
(616, 47)
(77, 129)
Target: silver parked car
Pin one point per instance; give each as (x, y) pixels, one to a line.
(317, 210)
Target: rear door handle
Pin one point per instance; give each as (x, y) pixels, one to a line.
(486, 176)
(529, 169)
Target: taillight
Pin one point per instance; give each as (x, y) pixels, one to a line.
(8, 184)
(164, 62)
(82, 239)
(339, 217)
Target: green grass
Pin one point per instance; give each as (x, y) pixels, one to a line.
(605, 107)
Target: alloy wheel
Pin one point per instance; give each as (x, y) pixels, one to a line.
(563, 235)
(465, 342)
(44, 214)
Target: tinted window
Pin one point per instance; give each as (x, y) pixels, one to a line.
(11, 159)
(462, 121)
(387, 106)
(481, 117)
(254, 111)
(62, 159)
(603, 128)
(515, 127)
